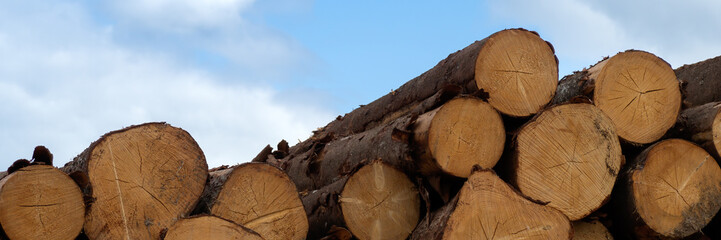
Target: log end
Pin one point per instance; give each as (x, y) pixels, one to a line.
(518, 70)
(568, 156)
(380, 202)
(143, 179)
(208, 227)
(488, 208)
(676, 188)
(262, 197)
(640, 93)
(41, 202)
(466, 132)
(590, 230)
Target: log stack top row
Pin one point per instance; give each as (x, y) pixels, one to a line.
(488, 144)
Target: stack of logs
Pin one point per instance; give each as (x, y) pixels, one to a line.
(488, 144)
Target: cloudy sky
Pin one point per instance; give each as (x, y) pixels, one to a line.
(240, 74)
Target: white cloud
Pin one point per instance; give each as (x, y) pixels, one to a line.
(182, 14)
(64, 82)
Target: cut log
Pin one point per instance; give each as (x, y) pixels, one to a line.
(257, 196)
(325, 161)
(592, 230)
(209, 227)
(141, 179)
(672, 189)
(702, 80)
(519, 72)
(515, 66)
(376, 202)
(40, 202)
(379, 202)
(636, 89)
(487, 208)
(702, 125)
(463, 132)
(568, 156)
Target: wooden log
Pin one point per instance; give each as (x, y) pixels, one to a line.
(702, 125)
(463, 132)
(40, 202)
(636, 89)
(488, 208)
(515, 67)
(140, 180)
(376, 202)
(590, 230)
(568, 156)
(702, 81)
(209, 227)
(257, 196)
(451, 139)
(672, 190)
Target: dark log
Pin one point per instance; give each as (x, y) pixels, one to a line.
(701, 125)
(702, 81)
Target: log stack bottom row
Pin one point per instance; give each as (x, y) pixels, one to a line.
(488, 144)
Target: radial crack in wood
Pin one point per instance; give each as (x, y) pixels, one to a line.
(568, 156)
(518, 70)
(464, 132)
(40, 202)
(141, 179)
(380, 202)
(488, 208)
(673, 189)
(262, 198)
(636, 89)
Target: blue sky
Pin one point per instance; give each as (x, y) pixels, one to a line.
(240, 74)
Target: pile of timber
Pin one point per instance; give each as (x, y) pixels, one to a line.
(488, 144)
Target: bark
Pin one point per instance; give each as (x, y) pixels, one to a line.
(702, 81)
(325, 161)
(696, 124)
(455, 74)
(138, 180)
(323, 208)
(377, 201)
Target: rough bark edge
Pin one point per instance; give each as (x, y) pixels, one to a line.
(458, 69)
(701, 81)
(326, 160)
(696, 123)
